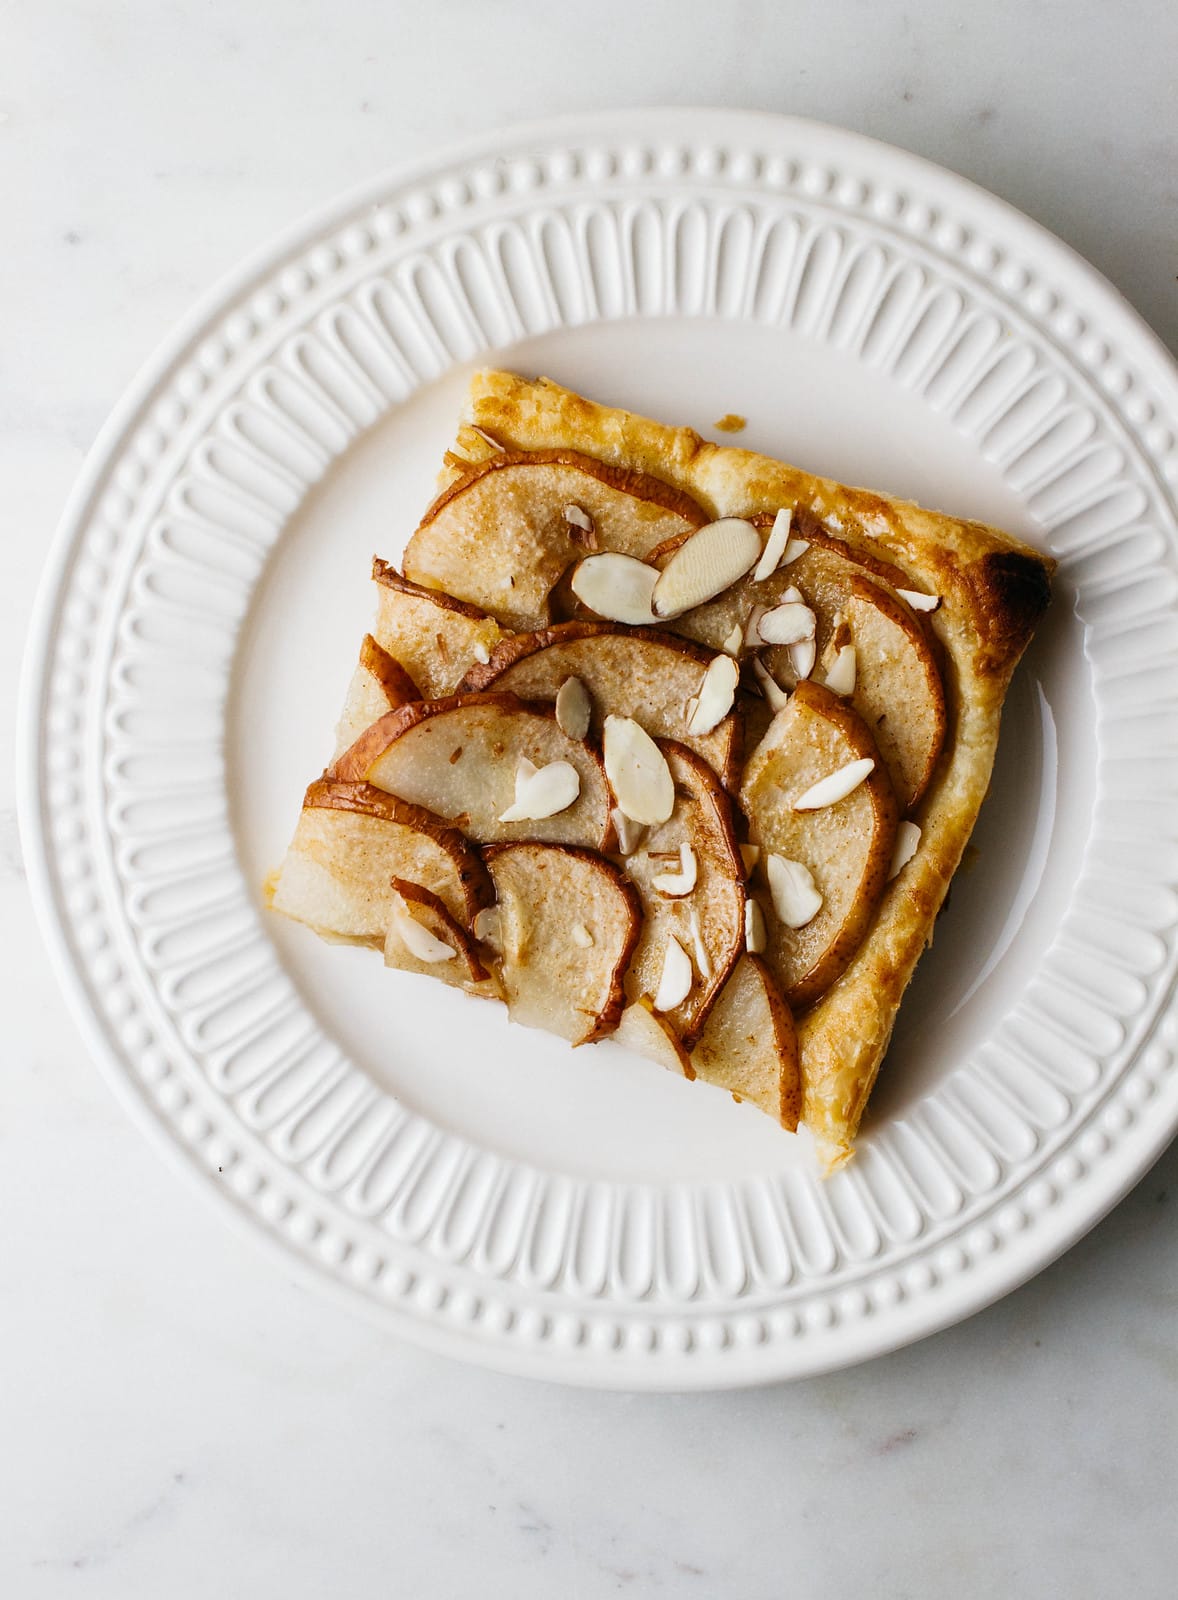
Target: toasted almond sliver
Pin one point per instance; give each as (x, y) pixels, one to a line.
(735, 639)
(630, 833)
(637, 771)
(776, 696)
(677, 884)
(542, 791)
(581, 936)
(796, 897)
(794, 549)
(486, 926)
(578, 518)
(704, 565)
(918, 601)
(802, 657)
(840, 679)
(481, 653)
(677, 977)
(573, 708)
(907, 840)
(774, 545)
(617, 587)
(755, 936)
(790, 623)
(485, 436)
(716, 694)
(752, 637)
(835, 786)
(702, 959)
(750, 854)
(418, 940)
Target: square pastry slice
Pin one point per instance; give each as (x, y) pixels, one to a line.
(665, 740)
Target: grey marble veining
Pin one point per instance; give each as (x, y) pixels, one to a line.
(179, 1419)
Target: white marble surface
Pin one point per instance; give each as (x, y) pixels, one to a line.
(176, 1418)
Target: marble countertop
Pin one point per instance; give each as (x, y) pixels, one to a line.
(177, 1417)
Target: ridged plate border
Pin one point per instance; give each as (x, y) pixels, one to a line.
(131, 857)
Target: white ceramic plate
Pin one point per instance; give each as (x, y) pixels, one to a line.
(483, 1189)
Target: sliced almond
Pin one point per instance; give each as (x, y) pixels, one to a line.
(787, 624)
(777, 697)
(774, 545)
(573, 708)
(485, 436)
(794, 549)
(419, 941)
(480, 652)
(678, 884)
(637, 771)
(486, 927)
(755, 936)
(752, 637)
(581, 936)
(750, 854)
(735, 639)
(918, 601)
(836, 786)
(705, 564)
(796, 897)
(677, 977)
(542, 791)
(907, 840)
(630, 834)
(802, 657)
(840, 678)
(716, 694)
(616, 586)
(702, 959)
(580, 520)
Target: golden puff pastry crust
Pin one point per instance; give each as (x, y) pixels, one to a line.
(993, 589)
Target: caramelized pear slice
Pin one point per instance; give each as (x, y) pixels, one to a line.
(707, 920)
(379, 684)
(434, 637)
(748, 1045)
(628, 672)
(502, 535)
(846, 847)
(420, 931)
(460, 758)
(570, 986)
(350, 843)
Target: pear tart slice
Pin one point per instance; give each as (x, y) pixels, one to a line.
(603, 629)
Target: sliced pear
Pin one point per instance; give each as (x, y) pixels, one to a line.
(854, 597)
(421, 930)
(707, 922)
(379, 684)
(460, 757)
(846, 846)
(552, 980)
(628, 672)
(647, 1034)
(501, 536)
(351, 841)
(748, 1045)
(434, 637)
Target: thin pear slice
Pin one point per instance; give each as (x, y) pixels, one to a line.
(379, 684)
(628, 672)
(351, 841)
(499, 536)
(748, 1045)
(898, 688)
(434, 637)
(643, 1031)
(708, 922)
(847, 846)
(551, 979)
(420, 929)
(459, 757)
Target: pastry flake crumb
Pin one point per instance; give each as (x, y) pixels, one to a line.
(731, 422)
